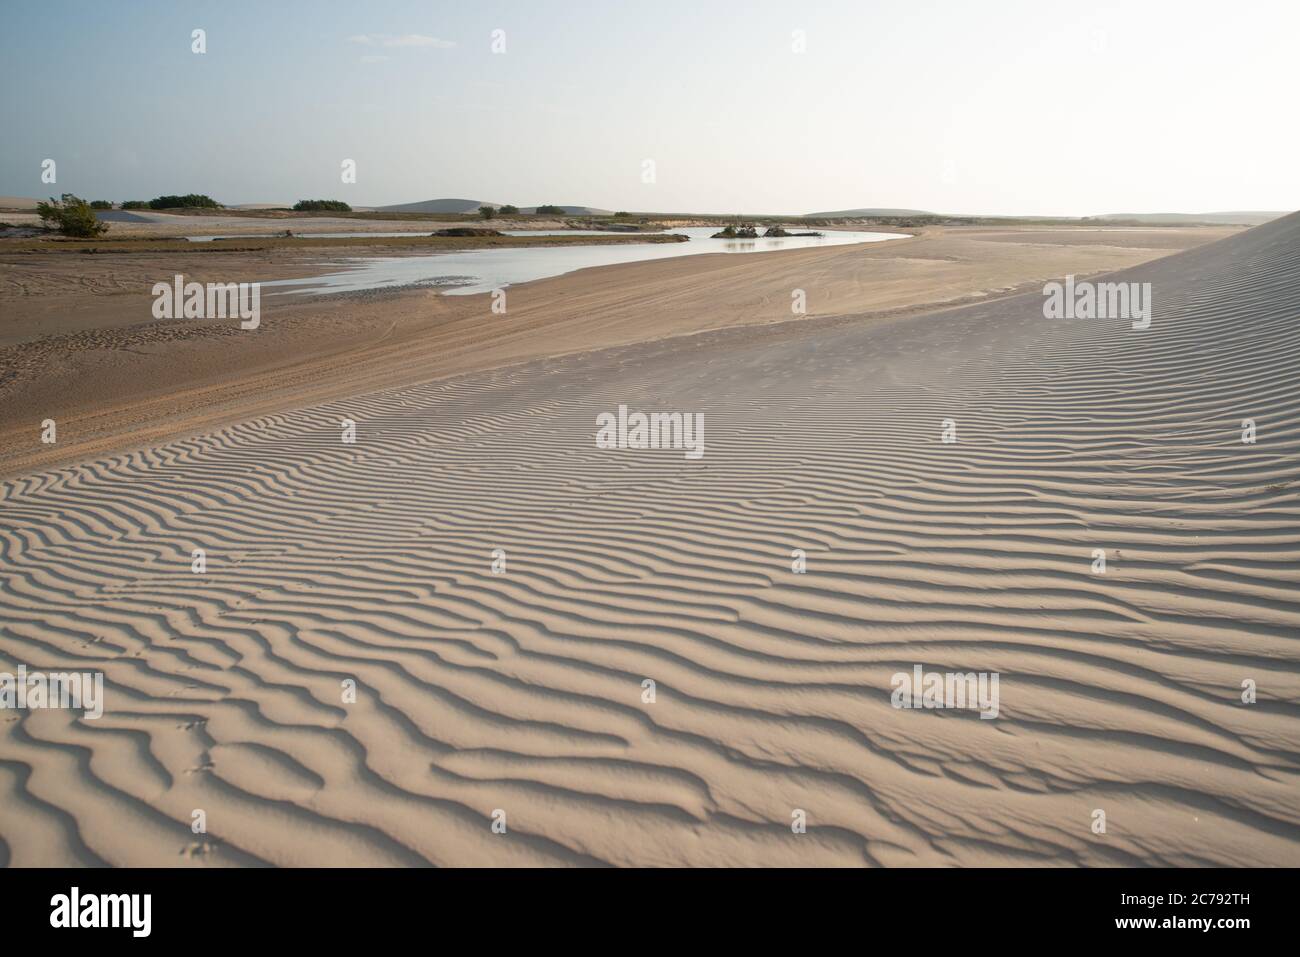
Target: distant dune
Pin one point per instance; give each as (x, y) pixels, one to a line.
(873, 211)
(1183, 219)
(1149, 219)
(437, 206)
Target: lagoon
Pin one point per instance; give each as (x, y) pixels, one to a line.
(473, 271)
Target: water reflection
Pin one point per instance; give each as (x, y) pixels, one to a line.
(466, 272)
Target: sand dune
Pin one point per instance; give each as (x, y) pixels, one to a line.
(75, 347)
(522, 691)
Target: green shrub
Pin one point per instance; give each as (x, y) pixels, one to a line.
(72, 216)
(100, 204)
(135, 204)
(321, 205)
(487, 212)
(550, 211)
(188, 201)
(508, 210)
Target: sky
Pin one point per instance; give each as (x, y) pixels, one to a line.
(1015, 107)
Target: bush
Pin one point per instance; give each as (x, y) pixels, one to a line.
(550, 211)
(100, 204)
(135, 204)
(72, 217)
(188, 201)
(508, 210)
(321, 205)
(487, 212)
(622, 215)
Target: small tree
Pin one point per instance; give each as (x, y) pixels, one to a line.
(622, 215)
(550, 211)
(100, 204)
(134, 204)
(487, 212)
(508, 210)
(72, 216)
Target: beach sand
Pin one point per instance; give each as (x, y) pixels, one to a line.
(520, 696)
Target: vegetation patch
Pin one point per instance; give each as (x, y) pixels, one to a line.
(71, 216)
(321, 206)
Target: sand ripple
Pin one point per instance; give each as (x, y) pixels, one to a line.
(523, 691)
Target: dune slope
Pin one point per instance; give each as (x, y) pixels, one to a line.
(522, 692)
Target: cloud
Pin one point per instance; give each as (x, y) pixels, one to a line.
(404, 40)
(374, 58)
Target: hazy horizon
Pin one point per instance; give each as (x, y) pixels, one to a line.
(1033, 109)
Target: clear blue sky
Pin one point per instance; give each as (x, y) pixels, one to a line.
(1002, 106)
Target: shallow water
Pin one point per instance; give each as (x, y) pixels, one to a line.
(409, 232)
(468, 272)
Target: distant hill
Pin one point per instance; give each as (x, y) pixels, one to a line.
(572, 210)
(863, 213)
(1172, 219)
(437, 206)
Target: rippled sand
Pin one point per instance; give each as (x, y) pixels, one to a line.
(523, 692)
